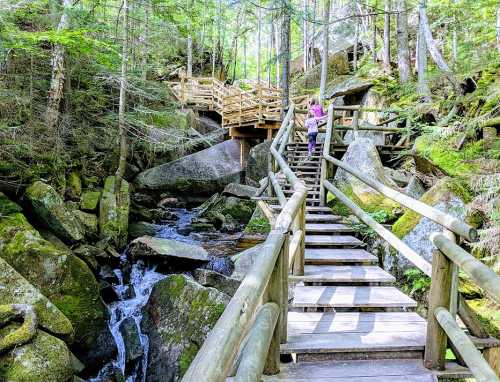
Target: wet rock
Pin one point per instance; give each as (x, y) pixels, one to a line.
(447, 196)
(176, 338)
(201, 227)
(239, 190)
(88, 222)
(353, 85)
(170, 202)
(114, 212)
(139, 229)
(218, 209)
(243, 261)
(130, 334)
(257, 163)
(91, 255)
(363, 156)
(59, 275)
(216, 280)
(143, 200)
(49, 208)
(401, 177)
(45, 358)
(90, 200)
(202, 173)
(153, 215)
(15, 289)
(169, 252)
(415, 188)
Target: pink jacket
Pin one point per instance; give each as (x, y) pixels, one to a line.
(317, 111)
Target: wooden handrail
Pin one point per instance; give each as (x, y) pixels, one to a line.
(267, 278)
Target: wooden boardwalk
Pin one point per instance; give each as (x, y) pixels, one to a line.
(346, 321)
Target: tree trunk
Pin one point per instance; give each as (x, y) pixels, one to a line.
(270, 53)
(432, 47)
(305, 55)
(122, 163)
(189, 56)
(58, 72)
(324, 57)
(245, 56)
(312, 57)
(403, 49)
(278, 52)
(285, 54)
(422, 87)
(387, 36)
(356, 35)
(374, 39)
(259, 28)
(145, 41)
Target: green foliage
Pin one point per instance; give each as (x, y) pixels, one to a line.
(416, 282)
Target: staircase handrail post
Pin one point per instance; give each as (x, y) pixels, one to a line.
(326, 151)
(439, 297)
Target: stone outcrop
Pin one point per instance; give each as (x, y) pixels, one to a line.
(352, 85)
(113, 212)
(179, 315)
(58, 274)
(239, 190)
(48, 206)
(203, 173)
(169, 252)
(257, 163)
(363, 156)
(209, 278)
(447, 196)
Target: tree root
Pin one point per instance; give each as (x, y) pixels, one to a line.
(25, 332)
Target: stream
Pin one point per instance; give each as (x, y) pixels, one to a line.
(134, 284)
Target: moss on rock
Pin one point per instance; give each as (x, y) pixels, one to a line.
(44, 359)
(90, 200)
(114, 212)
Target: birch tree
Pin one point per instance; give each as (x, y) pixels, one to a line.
(305, 54)
(324, 57)
(422, 87)
(122, 163)
(285, 54)
(387, 36)
(56, 88)
(259, 30)
(356, 34)
(403, 49)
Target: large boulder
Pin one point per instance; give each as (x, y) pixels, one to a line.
(239, 190)
(166, 251)
(224, 208)
(223, 283)
(15, 289)
(139, 229)
(177, 318)
(114, 212)
(353, 85)
(363, 156)
(202, 173)
(45, 358)
(258, 163)
(243, 261)
(59, 275)
(447, 195)
(48, 206)
(90, 200)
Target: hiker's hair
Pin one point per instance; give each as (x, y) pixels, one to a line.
(314, 101)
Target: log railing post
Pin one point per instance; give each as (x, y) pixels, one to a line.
(277, 292)
(439, 296)
(355, 123)
(326, 151)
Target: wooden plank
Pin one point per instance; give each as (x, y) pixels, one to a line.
(328, 227)
(312, 218)
(334, 240)
(387, 317)
(346, 273)
(310, 210)
(339, 256)
(353, 370)
(355, 342)
(351, 297)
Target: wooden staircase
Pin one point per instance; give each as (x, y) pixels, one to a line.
(346, 320)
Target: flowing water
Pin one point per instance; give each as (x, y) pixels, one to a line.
(134, 285)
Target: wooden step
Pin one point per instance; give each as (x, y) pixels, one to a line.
(332, 240)
(336, 274)
(327, 218)
(328, 228)
(310, 210)
(309, 192)
(330, 256)
(351, 297)
(384, 370)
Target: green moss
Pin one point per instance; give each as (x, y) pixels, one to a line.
(489, 314)
(187, 357)
(258, 225)
(446, 185)
(7, 207)
(175, 286)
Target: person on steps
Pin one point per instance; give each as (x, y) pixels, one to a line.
(315, 115)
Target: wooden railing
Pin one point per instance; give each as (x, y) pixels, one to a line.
(258, 309)
(236, 106)
(444, 297)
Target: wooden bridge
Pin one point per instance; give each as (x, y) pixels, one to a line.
(343, 320)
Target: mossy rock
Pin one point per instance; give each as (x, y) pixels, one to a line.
(176, 338)
(74, 184)
(258, 223)
(60, 276)
(90, 200)
(45, 358)
(49, 208)
(88, 222)
(441, 191)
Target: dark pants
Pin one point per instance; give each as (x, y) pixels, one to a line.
(312, 142)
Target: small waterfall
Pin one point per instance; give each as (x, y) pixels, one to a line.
(133, 296)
